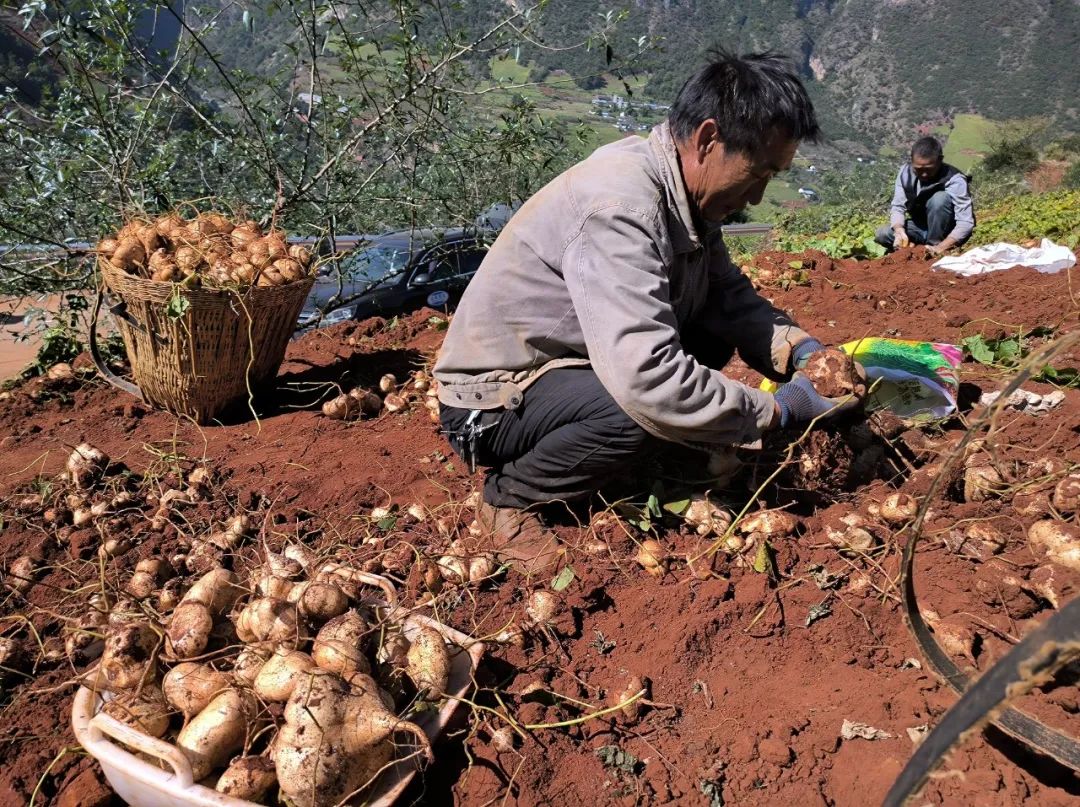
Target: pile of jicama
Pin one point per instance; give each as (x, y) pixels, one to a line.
(392, 396)
(291, 680)
(208, 250)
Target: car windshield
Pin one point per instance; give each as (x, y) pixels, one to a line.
(375, 263)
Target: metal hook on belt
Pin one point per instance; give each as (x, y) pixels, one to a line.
(471, 432)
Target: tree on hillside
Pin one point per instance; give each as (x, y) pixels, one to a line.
(322, 118)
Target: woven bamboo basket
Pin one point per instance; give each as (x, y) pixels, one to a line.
(224, 346)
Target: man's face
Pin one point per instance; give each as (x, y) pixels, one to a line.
(926, 168)
(721, 182)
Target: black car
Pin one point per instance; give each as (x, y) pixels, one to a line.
(395, 273)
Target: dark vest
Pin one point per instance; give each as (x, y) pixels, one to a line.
(917, 197)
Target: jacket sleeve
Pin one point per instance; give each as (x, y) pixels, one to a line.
(737, 315)
(619, 289)
(898, 207)
(959, 192)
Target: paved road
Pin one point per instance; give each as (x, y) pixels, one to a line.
(15, 354)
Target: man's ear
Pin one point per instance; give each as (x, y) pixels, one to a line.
(704, 139)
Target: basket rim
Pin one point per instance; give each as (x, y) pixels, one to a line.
(107, 269)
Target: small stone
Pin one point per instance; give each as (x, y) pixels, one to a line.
(917, 733)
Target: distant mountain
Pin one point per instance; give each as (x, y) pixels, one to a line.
(877, 68)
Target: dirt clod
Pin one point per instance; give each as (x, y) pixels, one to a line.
(834, 375)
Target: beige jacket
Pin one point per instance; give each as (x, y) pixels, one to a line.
(604, 266)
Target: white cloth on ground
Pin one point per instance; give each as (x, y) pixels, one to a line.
(1047, 258)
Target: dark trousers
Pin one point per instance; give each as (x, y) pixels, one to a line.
(563, 443)
(927, 225)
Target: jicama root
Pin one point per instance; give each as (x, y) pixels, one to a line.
(428, 663)
(189, 629)
(249, 778)
(281, 673)
(129, 660)
(218, 731)
(270, 620)
(335, 739)
(189, 686)
(144, 710)
(341, 643)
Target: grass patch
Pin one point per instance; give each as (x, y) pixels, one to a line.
(968, 140)
(507, 71)
(616, 86)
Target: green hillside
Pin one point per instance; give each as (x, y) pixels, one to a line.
(967, 140)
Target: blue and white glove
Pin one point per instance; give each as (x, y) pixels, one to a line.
(800, 354)
(799, 402)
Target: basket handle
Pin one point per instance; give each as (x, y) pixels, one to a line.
(118, 310)
(102, 723)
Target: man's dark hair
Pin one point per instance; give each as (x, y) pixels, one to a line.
(749, 97)
(929, 148)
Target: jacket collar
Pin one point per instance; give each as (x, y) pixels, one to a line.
(947, 173)
(684, 236)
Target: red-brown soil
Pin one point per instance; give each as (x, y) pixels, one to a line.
(748, 700)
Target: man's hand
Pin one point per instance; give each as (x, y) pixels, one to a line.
(801, 353)
(799, 402)
(900, 238)
(941, 248)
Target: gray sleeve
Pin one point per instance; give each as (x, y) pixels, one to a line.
(735, 313)
(957, 188)
(619, 288)
(898, 207)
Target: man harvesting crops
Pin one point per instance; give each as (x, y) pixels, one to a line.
(599, 320)
(931, 203)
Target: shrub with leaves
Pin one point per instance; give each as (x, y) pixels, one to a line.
(1021, 218)
(840, 231)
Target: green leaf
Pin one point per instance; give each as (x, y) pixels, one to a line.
(563, 579)
(873, 248)
(652, 506)
(823, 577)
(1008, 351)
(978, 348)
(713, 791)
(762, 560)
(387, 524)
(1065, 377)
(178, 305)
(677, 508)
(795, 264)
(617, 760)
